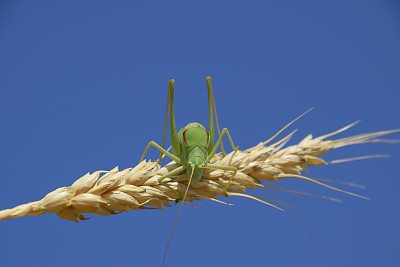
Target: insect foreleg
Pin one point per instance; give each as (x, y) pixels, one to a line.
(176, 171)
(162, 150)
(225, 168)
(219, 142)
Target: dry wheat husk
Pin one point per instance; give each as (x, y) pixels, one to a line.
(114, 191)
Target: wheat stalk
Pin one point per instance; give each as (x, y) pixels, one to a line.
(138, 188)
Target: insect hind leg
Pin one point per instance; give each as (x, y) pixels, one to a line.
(224, 131)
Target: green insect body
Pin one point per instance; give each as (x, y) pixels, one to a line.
(193, 141)
(193, 146)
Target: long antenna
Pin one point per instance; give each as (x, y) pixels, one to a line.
(177, 216)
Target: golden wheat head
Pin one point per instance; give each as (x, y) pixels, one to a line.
(114, 191)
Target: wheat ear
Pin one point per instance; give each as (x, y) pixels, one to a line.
(138, 188)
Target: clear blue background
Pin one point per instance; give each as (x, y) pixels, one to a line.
(83, 87)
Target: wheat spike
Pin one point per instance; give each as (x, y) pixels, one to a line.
(114, 191)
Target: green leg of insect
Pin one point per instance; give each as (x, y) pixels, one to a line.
(176, 171)
(166, 120)
(162, 150)
(209, 85)
(226, 168)
(212, 153)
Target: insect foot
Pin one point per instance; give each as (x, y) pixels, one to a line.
(178, 200)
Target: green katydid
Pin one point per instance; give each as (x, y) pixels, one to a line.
(193, 146)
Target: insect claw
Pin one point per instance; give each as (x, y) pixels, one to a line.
(178, 200)
(225, 192)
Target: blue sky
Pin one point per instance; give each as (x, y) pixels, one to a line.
(83, 87)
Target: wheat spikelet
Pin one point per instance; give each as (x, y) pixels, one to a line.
(138, 188)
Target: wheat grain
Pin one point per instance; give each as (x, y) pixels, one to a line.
(138, 188)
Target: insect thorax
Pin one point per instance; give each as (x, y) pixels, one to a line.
(193, 135)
